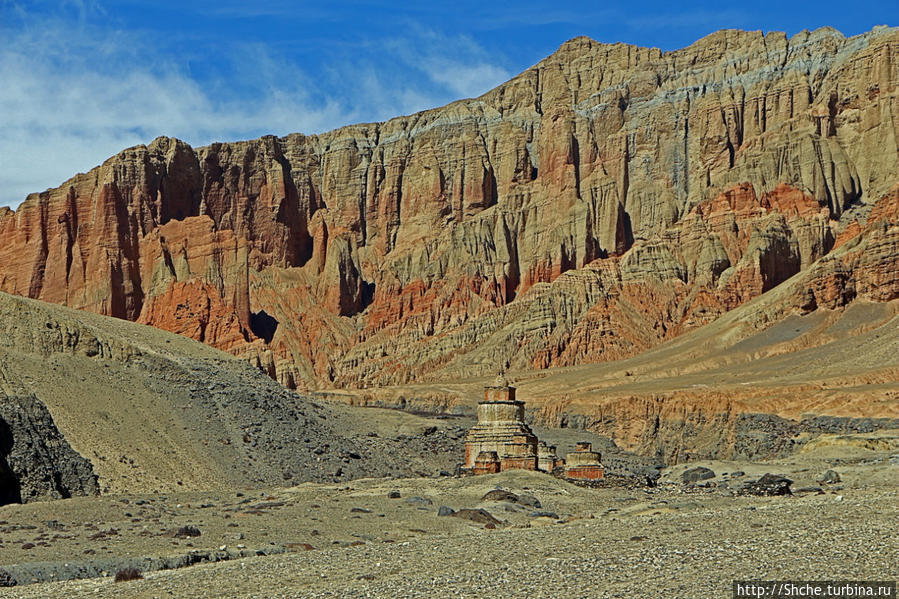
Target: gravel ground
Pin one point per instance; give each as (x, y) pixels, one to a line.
(653, 552)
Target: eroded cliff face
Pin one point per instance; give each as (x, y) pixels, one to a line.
(607, 199)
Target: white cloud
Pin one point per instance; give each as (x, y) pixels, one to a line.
(457, 63)
(68, 105)
(467, 81)
(73, 95)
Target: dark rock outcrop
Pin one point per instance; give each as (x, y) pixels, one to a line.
(478, 516)
(694, 475)
(767, 486)
(36, 461)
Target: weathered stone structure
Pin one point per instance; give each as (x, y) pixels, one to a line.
(487, 462)
(583, 463)
(500, 440)
(547, 460)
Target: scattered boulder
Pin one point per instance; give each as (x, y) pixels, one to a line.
(185, 532)
(500, 495)
(445, 511)
(767, 486)
(7, 579)
(694, 475)
(508, 496)
(360, 510)
(552, 515)
(478, 516)
(529, 501)
(418, 501)
(394, 494)
(830, 477)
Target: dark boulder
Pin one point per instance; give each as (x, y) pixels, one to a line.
(500, 495)
(530, 501)
(185, 532)
(768, 486)
(552, 515)
(7, 579)
(694, 475)
(36, 461)
(418, 501)
(479, 516)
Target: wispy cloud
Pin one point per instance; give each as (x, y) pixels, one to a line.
(458, 63)
(74, 94)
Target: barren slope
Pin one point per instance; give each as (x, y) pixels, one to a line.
(610, 542)
(153, 411)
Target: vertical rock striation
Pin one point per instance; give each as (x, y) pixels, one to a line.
(604, 200)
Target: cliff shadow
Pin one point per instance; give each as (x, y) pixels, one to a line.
(10, 491)
(368, 294)
(263, 325)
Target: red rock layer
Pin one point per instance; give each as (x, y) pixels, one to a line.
(608, 198)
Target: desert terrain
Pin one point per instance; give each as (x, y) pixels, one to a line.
(248, 369)
(354, 540)
(359, 513)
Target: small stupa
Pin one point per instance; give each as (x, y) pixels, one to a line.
(500, 440)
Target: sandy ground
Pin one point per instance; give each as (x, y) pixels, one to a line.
(354, 540)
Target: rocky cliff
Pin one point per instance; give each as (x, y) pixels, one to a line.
(607, 199)
(36, 461)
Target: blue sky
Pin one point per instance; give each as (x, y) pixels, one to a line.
(81, 80)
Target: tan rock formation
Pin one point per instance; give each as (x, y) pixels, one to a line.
(609, 198)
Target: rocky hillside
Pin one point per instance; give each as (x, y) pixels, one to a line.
(746, 386)
(607, 199)
(92, 403)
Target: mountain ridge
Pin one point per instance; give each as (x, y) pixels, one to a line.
(689, 181)
(575, 41)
